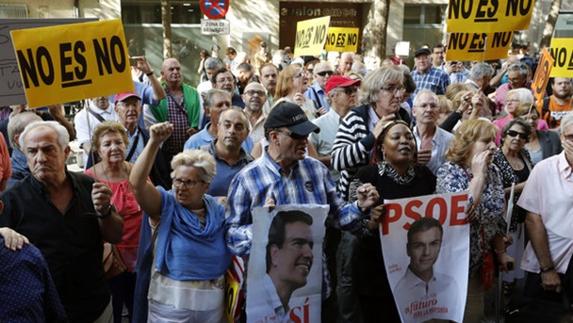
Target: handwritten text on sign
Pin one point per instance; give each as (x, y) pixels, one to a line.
(310, 36)
(476, 16)
(478, 46)
(342, 39)
(562, 52)
(448, 206)
(73, 62)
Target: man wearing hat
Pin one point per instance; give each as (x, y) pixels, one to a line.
(342, 94)
(426, 76)
(285, 175)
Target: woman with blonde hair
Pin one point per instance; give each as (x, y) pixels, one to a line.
(469, 167)
(292, 82)
(518, 102)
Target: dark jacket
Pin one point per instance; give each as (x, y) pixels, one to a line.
(550, 143)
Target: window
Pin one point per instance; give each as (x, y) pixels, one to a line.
(182, 12)
(13, 11)
(427, 15)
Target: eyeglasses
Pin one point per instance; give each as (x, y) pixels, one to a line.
(293, 135)
(513, 134)
(393, 88)
(350, 90)
(180, 183)
(253, 93)
(324, 73)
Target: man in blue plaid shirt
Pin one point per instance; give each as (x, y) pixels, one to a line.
(426, 76)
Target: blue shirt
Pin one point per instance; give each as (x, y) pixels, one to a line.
(203, 138)
(318, 96)
(27, 292)
(309, 182)
(224, 172)
(434, 80)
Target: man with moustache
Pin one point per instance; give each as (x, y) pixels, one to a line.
(255, 96)
(432, 141)
(288, 262)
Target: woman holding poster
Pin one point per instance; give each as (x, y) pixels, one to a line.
(395, 175)
(469, 167)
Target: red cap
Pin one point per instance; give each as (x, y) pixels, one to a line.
(340, 81)
(122, 96)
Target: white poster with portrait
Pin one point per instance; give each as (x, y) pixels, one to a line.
(425, 241)
(284, 276)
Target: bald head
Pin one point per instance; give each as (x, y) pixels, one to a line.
(345, 63)
(171, 71)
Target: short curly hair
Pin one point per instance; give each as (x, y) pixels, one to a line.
(196, 158)
(108, 127)
(469, 132)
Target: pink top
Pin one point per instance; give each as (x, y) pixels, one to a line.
(126, 205)
(501, 122)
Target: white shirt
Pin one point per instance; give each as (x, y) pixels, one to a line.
(328, 125)
(268, 307)
(440, 143)
(85, 122)
(419, 301)
(549, 193)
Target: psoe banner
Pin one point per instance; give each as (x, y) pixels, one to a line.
(541, 78)
(285, 266)
(478, 46)
(472, 16)
(562, 52)
(311, 36)
(425, 242)
(72, 62)
(342, 39)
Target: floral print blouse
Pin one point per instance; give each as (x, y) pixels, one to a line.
(455, 178)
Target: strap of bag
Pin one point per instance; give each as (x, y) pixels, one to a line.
(134, 146)
(97, 116)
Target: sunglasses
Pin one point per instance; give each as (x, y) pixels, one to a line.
(293, 135)
(513, 134)
(350, 90)
(324, 73)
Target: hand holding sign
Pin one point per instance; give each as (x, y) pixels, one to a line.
(367, 196)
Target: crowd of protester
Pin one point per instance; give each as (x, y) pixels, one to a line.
(173, 171)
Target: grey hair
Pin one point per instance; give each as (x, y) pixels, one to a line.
(524, 95)
(566, 121)
(424, 91)
(63, 135)
(208, 99)
(243, 116)
(522, 68)
(213, 63)
(196, 158)
(376, 79)
(324, 66)
(18, 122)
(481, 70)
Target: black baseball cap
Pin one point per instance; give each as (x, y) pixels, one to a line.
(422, 51)
(291, 116)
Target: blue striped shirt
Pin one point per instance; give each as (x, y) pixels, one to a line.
(434, 80)
(309, 182)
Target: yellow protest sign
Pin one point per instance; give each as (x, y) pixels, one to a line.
(342, 39)
(539, 84)
(310, 36)
(72, 62)
(562, 52)
(472, 16)
(478, 47)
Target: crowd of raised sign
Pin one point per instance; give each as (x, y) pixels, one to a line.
(173, 171)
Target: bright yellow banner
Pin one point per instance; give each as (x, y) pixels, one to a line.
(478, 47)
(562, 52)
(72, 62)
(310, 36)
(342, 39)
(472, 16)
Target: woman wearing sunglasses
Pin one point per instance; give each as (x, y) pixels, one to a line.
(514, 164)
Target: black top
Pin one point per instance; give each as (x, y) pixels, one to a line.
(71, 243)
(370, 270)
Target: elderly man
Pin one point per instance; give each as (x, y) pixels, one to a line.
(128, 109)
(223, 79)
(86, 120)
(559, 103)
(65, 215)
(268, 77)
(518, 76)
(426, 76)
(284, 175)
(547, 199)
(479, 77)
(16, 126)
(316, 92)
(432, 141)
(345, 63)
(255, 97)
(342, 93)
(230, 156)
(181, 107)
(216, 101)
